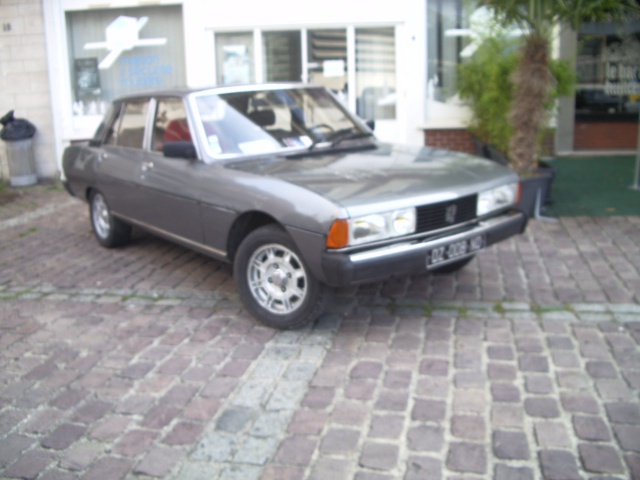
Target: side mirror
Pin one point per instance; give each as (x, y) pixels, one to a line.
(371, 124)
(181, 149)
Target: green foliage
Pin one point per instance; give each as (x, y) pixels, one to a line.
(485, 83)
(539, 16)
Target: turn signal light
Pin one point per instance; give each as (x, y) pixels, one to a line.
(339, 234)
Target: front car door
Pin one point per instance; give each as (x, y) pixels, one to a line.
(169, 200)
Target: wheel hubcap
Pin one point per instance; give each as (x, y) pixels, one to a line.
(277, 279)
(101, 216)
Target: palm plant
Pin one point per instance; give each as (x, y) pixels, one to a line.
(533, 80)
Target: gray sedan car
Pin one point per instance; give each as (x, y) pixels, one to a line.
(295, 191)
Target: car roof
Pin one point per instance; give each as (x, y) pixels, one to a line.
(221, 89)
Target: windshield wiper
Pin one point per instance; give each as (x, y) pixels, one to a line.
(338, 136)
(351, 136)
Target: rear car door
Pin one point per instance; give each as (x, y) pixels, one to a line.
(122, 156)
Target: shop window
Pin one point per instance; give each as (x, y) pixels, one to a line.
(452, 35)
(327, 58)
(376, 73)
(282, 56)
(121, 51)
(608, 69)
(234, 58)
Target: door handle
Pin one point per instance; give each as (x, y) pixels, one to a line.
(147, 166)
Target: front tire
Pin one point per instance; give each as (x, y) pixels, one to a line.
(109, 231)
(274, 283)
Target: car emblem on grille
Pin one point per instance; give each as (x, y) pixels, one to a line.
(450, 213)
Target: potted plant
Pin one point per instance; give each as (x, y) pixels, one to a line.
(485, 83)
(533, 79)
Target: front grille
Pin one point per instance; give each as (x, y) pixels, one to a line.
(440, 215)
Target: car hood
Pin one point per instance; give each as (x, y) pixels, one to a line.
(394, 175)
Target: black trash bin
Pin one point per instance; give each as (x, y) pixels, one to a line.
(17, 134)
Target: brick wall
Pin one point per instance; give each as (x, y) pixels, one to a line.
(461, 141)
(449, 139)
(24, 81)
(606, 136)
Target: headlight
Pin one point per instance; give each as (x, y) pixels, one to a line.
(370, 228)
(497, 198)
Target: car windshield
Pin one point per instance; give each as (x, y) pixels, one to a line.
(267, 121)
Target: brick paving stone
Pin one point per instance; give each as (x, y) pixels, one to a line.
(159, 461)
(379, 456)
(628, 436)
(558, 465)
(339, 441)
(184, 433)
(134, 442)
(541, 407)
(12, 446)
(81, 455)
(425, 438)
(63, 436)
(386, 426)
(623, 412)
(507, 472)
(633, 463)
(507, 416)
(307, 422)
(330, 468)
(579, 403)
(296, 450)
(428, 410)
(533, 363)
(420, 467)
(551, 434)
(600, 458)
(601, 369)
(30, 464)
(108, 467)
(468, 400)
(508, 445)
(591, 428)
(505, 392)
(470, 427)
(539, 384)
(466, 457)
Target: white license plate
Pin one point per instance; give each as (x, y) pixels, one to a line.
(454, 250)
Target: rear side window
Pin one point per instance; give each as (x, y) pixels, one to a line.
(129, 125)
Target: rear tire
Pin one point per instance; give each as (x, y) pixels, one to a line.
(109, 231)
(274, 283)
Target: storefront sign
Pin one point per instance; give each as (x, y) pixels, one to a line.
(622, 68)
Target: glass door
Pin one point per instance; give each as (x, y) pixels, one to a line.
(327, 59)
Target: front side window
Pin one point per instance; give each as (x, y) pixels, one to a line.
(170, 123)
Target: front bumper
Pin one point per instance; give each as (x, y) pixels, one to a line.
(343, 269)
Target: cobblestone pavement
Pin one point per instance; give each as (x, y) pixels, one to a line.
(140, 362)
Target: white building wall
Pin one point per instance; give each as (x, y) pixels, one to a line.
(24, 83)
